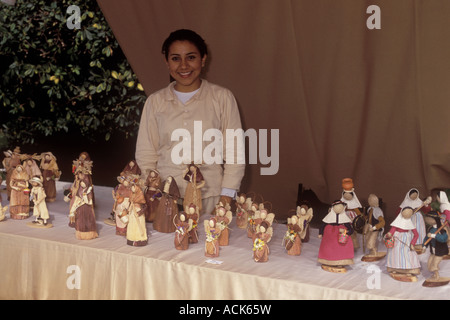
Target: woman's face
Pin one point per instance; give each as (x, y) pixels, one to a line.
(185, 65)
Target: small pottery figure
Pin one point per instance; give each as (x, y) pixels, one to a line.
(336, 251)
(420, 208)
(136, 228)
(402, 261)
(152, 194)
(223, 218)
(353, 208)
(193, 214)
(50, 174)
(292, 241)
(81, 214)
(212, 238)
(183, 227)
(242, 205)
(196, 182)
(444, 206)
(304, 215)
(373, 229)
(3, 212)
(38, 196)
(260, 245)
(19, 204)
(436, 239)
(121, 195)
(167, 208)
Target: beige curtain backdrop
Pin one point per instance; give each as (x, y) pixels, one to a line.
(371, 105)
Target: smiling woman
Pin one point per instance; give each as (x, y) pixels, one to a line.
(189, 99)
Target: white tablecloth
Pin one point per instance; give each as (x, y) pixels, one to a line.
(53, 264)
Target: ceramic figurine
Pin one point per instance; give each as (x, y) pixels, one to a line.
(212, 238)
(444, 207)
(251, 227)
(402, 261)
(136, 228)
(354, 207)
(263, 236)
(183, 226)
(373, 229)
(19, 204)
(292, 241)
(194, 187)
(50, 174)
(243, 203)
(436, 239)
(3, 212)
(10, 162)
(419, 207)
(121, 195)
(336, 248)
(152, 194)
(81, 213)
(304, 214)
(167, 207)
(262, 215)
(193, 214)
(223, 218)
(38, 196)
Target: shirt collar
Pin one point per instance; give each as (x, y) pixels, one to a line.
(170, 94)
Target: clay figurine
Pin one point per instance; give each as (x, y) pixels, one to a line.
(304, 214)
(167, 207)
(223, 218)
(353, 208)
(40, 211)
(19, 203)
(50, 174)
(152, 194)
(402, 261)
(263, 236)
(196, 182)
(336, 248)
(420, 208)
(183, 227)
(373, 229)
(292, 241)
(436, 239)
(212, 238)
(136, 228)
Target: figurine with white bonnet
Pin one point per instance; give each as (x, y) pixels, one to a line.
(40, 210)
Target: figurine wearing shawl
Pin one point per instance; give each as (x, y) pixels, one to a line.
(292, 241)
(263, 236)
(152, 194)
(167, 207)
(353, 209)
(31, 167)
(136, 228)
(373, 228)
(40, 211)
(196, 182)
(131, 169)
(212, 238)
(50, 174)
(183, 227)
(402, 261)
(444, 206)
(19, 203)
(419, 207)
(121, 195)
(336, 251)
(436, 239)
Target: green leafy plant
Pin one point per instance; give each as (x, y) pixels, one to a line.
(60, 79)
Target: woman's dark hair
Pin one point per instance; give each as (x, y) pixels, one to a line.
(184, 35)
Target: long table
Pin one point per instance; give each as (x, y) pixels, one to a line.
(53, 264)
